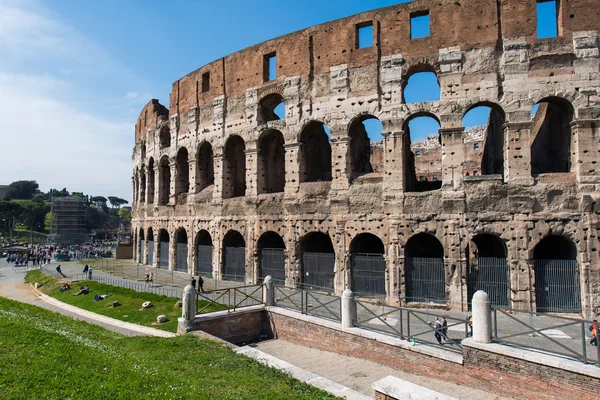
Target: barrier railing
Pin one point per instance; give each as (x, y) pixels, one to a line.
(414, 325)
(230, 299)
(567, 337)
(140, 287)
(309, 302)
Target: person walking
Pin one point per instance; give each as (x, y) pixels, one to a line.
(438, 330)
(200, 283)
(445, 337)
(594, 335)
(60, 271)
(193, 282)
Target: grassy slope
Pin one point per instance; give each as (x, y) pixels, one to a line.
(131, 301)
(44, 355)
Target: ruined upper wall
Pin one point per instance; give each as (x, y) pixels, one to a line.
(149, 117)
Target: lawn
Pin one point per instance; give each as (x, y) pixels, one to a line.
(44, 355)
(131, 301)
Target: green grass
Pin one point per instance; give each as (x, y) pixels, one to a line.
(44, 355)
(131, 301)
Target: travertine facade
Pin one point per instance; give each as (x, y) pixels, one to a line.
(219, 169)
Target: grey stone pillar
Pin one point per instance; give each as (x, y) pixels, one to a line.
(348, 309)
(268, 293)
(482, 318)
(188, 312)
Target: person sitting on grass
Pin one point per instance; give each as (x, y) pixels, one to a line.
(98, 297)
(83, 290)
(65, 286)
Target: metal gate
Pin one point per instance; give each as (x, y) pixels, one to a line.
(490, 275)
(234, 263)
(317, 270)
(182, 261)
(368, 275)
(204, 261)
(150, 252)
(425, 280)
(163, 257)
(272, 262)
(557, 286)
(142, 251)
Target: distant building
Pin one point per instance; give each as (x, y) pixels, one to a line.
(68, 225)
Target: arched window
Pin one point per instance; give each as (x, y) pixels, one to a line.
(551, 136)
(271, 162)
(234, 168)
(234, 256)
(150, 180)
(165, 181)
(317, 261)
(484, 140)
(422, 85)
(424, 269)
(315, 164)
(422, 154)
(143, 184)
(204, 167)
(163, 249)
(271, 255)
(150, 245)
(181, 256)
(270, 108)
(368, 265)
(204, 253)
(365, 133)
(165, 137)
(487, 269)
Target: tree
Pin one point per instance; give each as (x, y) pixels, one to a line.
(33, 213)
(9, 211)
(48, 220)
(124, 214)
(116, 202)
(22, 190)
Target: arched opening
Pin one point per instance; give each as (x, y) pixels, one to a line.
(182, 182)
(424, 270)
(318, 260)
(151, 181)
(205, 175)
(422, 154)
(270, 108)
(150, 245)
(422, 85)
(271, 257)
(136, 188)
(143, 184)
(204, 253)
(557, 281)
(366, 145)
(234, 168)
(271, 162)
(315, 153)
(368, 265)
(164, 177)
(181, 255)
(163, 249)
(551, 136)
(234, 256)
(143, 151)
(165, 137)
(142, 246)
(484, 140)
(487, 269)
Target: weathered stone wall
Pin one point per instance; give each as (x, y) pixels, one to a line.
(484, 52)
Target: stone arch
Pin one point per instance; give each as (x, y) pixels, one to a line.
(420, 68)
(487, 269)
(315, 153)
(271, 257)
(489, 158)
(367, 258)
(150, 180)
(317, 261)
(234, 167)
(165, 137)
(142, 198)
(551, 136)
(267, 108)
(234, 256)
(182, 168)
(359, 146)
(163, 248)
(424, 269)
(422, 157)
(271, 162)
(204, 253)
(164, 178)
(181, 251)
(205, 175)
(141, 245)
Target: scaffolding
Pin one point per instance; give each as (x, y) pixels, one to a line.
(68, 224)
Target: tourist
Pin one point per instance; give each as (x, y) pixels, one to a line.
(83, 290)
(65, 286)
(445, 329)
(594, 335)
(469, 321)
(200, 283)
(60, 271)
(147, 277)
(193, 282)
(85, 269)
(438, 330)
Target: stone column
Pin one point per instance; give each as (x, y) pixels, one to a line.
(393, 166)
(342, 278)
(156, 184)
(172, 253)
(341, 168)
(392, 278)
(147, 197)
(584, 151)
(292, 167)
(482, 318)
(218, 170)
(252, 170)
(517, 153)
(174, 176)
(188, 312)
(193, 178)
(452, 157)
(191, 255)
(348, 309)
(155, 256)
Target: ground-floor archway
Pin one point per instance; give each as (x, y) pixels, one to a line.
(163, 249)
(234, 257)
(424, 270)
(142, 247)
(487, 270)
(204, 253)
(181, 255)
(150, 245)
(317, 261)
(368, 265)
(271, 257)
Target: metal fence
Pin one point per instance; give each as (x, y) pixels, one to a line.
(549, 334)
(140, 287)
(418, 326)
(272, 262)
(317, 271)
(425, 280)
(150, 252)
(234, 264)
(230, 299)
(182, 257)
(204, 260)
(557, 286)
(491, 275)
(163, 256)
(368, 275)
(309, 302)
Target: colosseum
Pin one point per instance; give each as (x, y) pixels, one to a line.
(226, 186)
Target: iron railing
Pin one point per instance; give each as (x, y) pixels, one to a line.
(230, 299)
(418, 326)
(547, 333)
(309, 302)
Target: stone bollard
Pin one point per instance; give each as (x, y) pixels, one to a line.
(348, 309)
(482, 318)
(186, 322)
(268, 294)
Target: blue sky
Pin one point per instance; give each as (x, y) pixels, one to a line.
(74, 75)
